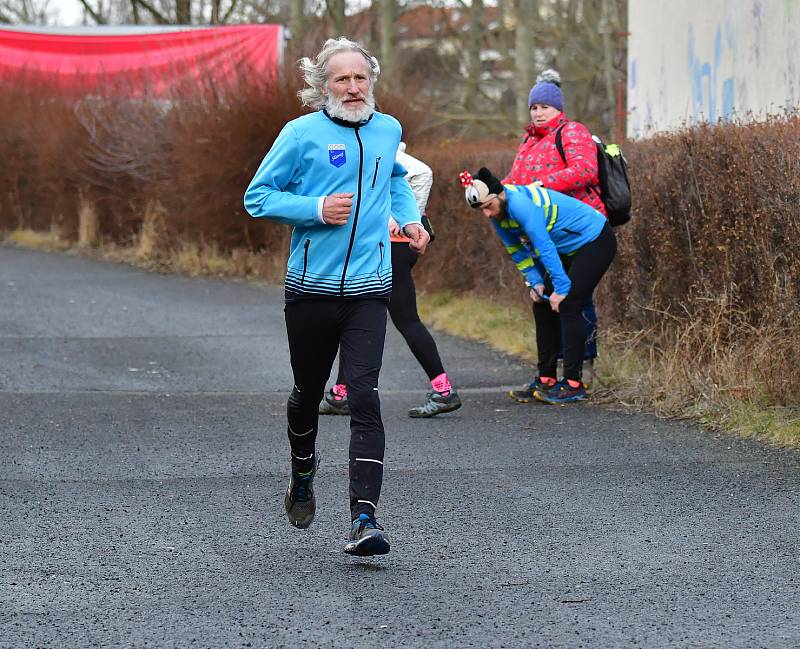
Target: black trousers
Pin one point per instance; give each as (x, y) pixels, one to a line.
(585, 268)
(316, 330)
(403, 312)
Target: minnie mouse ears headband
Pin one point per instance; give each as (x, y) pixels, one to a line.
(479, 191)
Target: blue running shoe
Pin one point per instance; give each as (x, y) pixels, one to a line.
(300, 503)
(561, 392)
(366, 538)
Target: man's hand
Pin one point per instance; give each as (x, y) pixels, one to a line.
(336, 208)
(555, 300)
(419, 237)
(537, 292)
(394, 228)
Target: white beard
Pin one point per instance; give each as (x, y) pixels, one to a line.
(336, 108)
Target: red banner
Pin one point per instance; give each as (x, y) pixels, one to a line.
(161, 64)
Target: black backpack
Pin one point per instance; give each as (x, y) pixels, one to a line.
(612, 172)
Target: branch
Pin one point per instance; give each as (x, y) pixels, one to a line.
(229, 12)
(153, 11)
(98, 18)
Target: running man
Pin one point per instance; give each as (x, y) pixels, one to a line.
(332, 176)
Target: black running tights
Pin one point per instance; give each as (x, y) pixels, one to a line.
(585, 268)
(403, 312)
(316, 330)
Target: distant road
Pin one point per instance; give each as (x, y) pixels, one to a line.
(143, 461)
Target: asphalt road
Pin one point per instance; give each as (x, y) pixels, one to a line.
(143, 462)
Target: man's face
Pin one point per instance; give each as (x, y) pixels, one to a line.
(494, 208)
(348, 87)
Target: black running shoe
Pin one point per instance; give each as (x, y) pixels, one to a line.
(436, 404)
(333, 405)
(300, 503)
(366, 538)
(525, 393)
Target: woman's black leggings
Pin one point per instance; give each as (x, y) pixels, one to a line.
(403, 312)
(585, 268)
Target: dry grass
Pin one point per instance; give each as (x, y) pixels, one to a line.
(51, 239)
(662, 372)
(506, 329)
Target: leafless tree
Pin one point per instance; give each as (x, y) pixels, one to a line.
(388, 14)
(336, 12)
(30, 12)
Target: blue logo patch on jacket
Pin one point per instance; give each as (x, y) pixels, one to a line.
(336, 154)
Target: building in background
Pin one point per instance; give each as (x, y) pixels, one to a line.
(692, 62)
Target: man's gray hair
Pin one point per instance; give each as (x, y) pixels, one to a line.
(315, 73)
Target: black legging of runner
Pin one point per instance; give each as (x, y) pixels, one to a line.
(585, 268)
(403, 312)
(316, 330)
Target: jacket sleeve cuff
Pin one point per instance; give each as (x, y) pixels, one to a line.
(320, 204)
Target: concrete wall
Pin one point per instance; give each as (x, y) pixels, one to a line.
(708, 60)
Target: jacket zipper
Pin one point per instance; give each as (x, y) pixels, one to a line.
(375, 175)
(355, 215)
(305, 261)
(381, 266)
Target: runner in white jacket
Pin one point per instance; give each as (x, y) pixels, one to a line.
(443, 397)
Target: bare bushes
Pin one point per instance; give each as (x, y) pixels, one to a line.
(39, 141)
(701, 308)
(154, 174)
(710, 267)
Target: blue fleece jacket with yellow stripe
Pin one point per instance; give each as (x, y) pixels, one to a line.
(539, 225)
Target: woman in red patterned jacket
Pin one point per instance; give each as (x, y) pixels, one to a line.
(538, 161)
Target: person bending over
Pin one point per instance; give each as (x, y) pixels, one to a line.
(562, 247)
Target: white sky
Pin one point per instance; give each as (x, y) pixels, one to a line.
(68, 11)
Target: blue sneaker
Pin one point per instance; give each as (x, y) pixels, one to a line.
(299, 502)
(561, 392)
(367, 537)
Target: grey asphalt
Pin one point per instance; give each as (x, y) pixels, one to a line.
(143, 461)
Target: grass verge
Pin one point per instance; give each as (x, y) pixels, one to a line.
(631, 371)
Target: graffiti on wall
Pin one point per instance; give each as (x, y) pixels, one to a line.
(719, 60)
(712, 94)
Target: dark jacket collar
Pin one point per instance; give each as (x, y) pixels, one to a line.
(344, 122)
